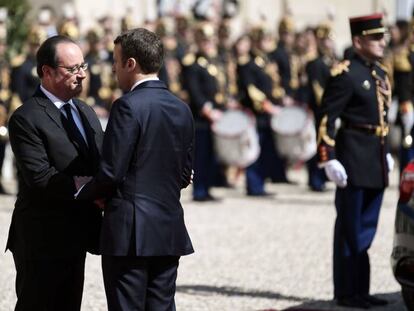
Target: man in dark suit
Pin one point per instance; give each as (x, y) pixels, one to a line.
(146, 160)
(356, 156)
(50, 232)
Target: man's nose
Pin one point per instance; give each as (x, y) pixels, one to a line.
(82, 73)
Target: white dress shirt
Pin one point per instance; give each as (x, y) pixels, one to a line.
(154, 78)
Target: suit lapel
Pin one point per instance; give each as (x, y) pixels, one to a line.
(59, 119)
(50, 109)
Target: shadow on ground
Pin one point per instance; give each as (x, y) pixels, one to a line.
(206, 290)
(395, 304)
(303, 303)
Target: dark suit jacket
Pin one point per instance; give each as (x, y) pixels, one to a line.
(146, 160)
(47, 222)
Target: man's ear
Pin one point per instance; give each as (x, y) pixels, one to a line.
(46, 70)
(356, 40)
(131, 64)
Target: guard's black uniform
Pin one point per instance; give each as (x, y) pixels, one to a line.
(358, 94)
(403, 74)
(202, 83)
(24, 78)
(100, 75)
(281, 57)
(318, 72)
(256, 85)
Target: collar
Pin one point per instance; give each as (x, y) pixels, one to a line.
(55, 100)
(155, 78)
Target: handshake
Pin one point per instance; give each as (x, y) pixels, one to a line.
(335, 171)
(80, 182)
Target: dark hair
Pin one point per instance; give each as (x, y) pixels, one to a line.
(144, 46)
(46, 55)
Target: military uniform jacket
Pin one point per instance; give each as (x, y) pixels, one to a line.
(318, 72)
(24, 79)
(403, 77)
(281, 56)
(256, 85)
(358, 94)
(200, 79)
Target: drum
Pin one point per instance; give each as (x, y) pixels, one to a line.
(235, 138)
(294, 133)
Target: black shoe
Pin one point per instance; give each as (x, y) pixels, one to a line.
(375, 301)
(283, 181)
(321, 188)
(261, 194)
(353, 302)
(207, 198)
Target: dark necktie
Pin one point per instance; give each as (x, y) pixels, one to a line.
(74, 131)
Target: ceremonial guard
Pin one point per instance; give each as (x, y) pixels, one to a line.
(356, 156)
(260, 91)
(402, 60)
(318, 72)
(227, 62)
(170, 72)
(5, 100)
(100, 82)
(204, 79)
(24, 78)
(282, 57)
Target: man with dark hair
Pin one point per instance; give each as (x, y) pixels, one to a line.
(146, 160)
(54, 137)
(356, 156)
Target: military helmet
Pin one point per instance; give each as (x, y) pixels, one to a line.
(286, 25)
(69, 29)
(36, 35)
(95, 35)
(323, 30)
(165, 27)
(204, 31)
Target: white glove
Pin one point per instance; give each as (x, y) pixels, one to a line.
(390, 162)
(336, 173)
(407, 119)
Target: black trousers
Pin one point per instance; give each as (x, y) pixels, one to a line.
(140, 283)
(49, 284)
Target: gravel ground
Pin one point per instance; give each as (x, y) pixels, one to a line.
(251, 253)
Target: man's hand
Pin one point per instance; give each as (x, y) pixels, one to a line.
(336, 173)
(407, 119)
(407, 116)
(211, 113)
(80, 181)
(390, 162)
(100, 203)
(269, 108)
(288, 101)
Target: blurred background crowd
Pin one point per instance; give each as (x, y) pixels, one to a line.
(258, 57)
